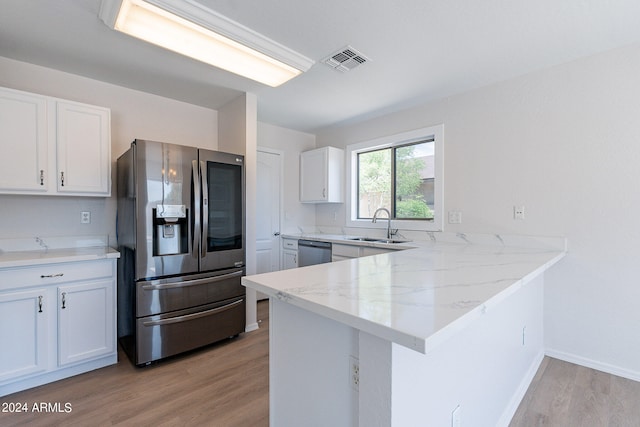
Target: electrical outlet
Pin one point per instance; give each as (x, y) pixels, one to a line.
(518, 212)
(85, 217)
(455, 217)
(354, 372)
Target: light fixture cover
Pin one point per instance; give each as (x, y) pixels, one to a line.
(191, 29)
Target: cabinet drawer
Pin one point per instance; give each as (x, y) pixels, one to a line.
(346, 251)
(289, 244)
(49, 274)
(171, 333)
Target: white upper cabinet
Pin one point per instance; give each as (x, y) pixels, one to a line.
(83, 154)
(53, 146)
(23, 142)
(322, 175)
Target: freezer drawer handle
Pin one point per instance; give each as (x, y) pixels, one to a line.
(162, 286)
(188, 317)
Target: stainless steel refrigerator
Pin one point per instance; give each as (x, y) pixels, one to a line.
(181, 235)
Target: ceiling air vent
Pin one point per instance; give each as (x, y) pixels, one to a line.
(346, 59)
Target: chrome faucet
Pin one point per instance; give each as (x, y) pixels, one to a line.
(375, 218)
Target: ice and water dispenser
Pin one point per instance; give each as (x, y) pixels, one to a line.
(170, 230)
(170, 214)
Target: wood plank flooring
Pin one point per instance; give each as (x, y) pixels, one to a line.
(227, 385)
(566, 395)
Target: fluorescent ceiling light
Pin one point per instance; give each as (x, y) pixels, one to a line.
(188, 28)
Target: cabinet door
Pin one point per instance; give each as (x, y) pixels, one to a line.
(289, 259)
(367, 250)
(83, 149)
(85, 321)
(313, 176)
(23, 333)
(23, 142)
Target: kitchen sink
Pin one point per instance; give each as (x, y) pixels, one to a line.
(372, 239)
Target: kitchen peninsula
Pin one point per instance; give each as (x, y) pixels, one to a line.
(448, 331)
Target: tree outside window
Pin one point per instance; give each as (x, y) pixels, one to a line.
(400, 179)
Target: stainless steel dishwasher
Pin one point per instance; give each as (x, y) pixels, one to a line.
(311, 252)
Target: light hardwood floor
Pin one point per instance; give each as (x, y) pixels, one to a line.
(566, 395)
(227, 385)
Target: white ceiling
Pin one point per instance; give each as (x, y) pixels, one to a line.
(420, 50)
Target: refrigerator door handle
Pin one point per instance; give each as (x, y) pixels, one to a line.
(205, 209)
(196, 209)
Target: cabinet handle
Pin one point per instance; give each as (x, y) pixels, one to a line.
(64, 300)
(295, 259)
(44, 276)
(324, 192)
(62, 179)
(41, 176)
(277, 233)
(40, 304)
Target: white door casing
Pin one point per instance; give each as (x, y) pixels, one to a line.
(269, 189)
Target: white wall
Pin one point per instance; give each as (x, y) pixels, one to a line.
(238, 134)
(291, 143)
(134, 114)
(563, 142)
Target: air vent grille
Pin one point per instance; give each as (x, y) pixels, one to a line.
(346, 59)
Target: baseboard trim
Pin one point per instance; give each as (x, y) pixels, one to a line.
(252, 327)
(516, 399)
(593, 364)
(57, 374)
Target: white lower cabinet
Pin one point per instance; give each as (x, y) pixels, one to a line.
(56, 320)
(289, 259)
(289, 253)
(340, 252)
(85, 321)
(23, 333)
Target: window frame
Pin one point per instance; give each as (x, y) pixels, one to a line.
(392, 141)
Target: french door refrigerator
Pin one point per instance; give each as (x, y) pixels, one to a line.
(181, 235)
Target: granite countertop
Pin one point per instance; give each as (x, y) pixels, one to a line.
(420, 296)
(36, 251)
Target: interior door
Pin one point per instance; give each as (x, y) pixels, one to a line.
(268, 219)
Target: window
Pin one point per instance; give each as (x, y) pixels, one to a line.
(402, 173)
(399, 179)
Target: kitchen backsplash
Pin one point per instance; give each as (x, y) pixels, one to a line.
(37, 243)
